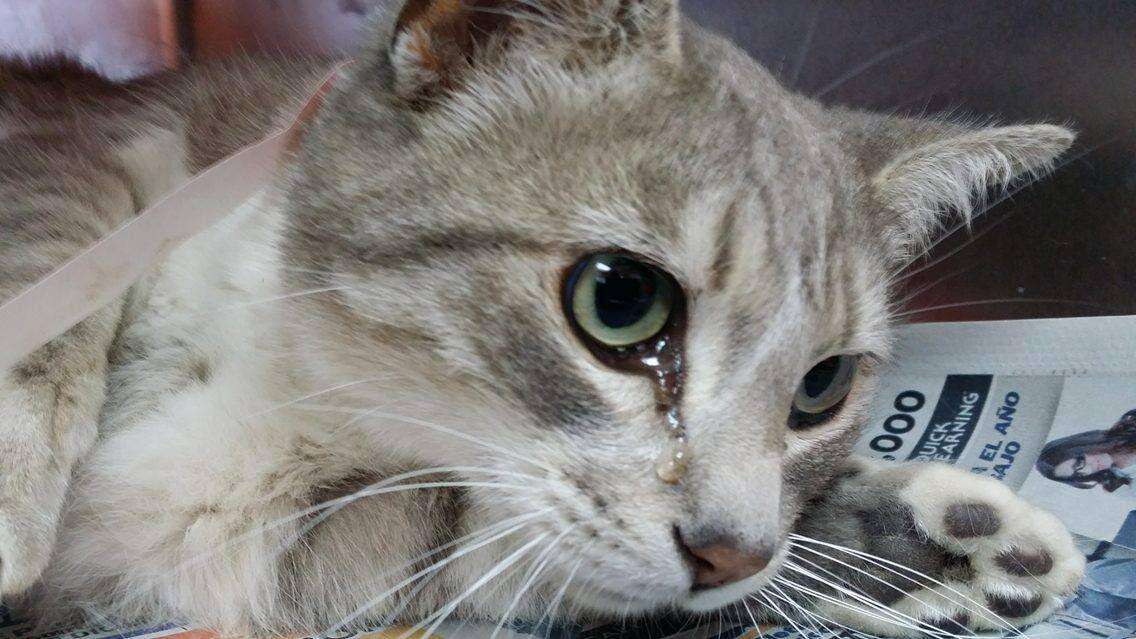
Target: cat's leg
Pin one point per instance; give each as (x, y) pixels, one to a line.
(908, 549)
(55, 199)
(207, 517)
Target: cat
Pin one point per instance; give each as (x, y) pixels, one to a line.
(560, 309)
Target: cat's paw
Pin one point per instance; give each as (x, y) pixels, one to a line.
(930, 550)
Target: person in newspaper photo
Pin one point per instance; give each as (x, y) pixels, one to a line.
(1093, 458)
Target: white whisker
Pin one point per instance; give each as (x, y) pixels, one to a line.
(440, 617)
(539, 564)
(1005, 300)
(270, 300)
(385, 486)
(827, 620)
(894, 616)
(425, 581)
(786, 598)
(890, 566)
(321, 393)
(874, 61)
(780, 613)
(910, 297)
(378, 599)
(753, 620)
(333, 506)
(377, 413)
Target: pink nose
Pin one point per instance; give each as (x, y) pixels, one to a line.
(723, 563)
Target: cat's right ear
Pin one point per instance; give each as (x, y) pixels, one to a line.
(435, 46)
(921, 171)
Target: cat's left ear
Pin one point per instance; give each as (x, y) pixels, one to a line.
(921, 171)
(436, 44)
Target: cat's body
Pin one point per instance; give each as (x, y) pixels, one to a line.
(396, 303)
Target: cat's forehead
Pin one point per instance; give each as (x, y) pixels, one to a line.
(717, 176)
(641, 159)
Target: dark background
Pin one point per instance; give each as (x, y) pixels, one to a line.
(1070, 237)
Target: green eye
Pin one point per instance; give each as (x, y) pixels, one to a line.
(619, 301)
(822, 391)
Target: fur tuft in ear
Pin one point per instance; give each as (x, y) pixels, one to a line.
(958, 170)
(436, 42)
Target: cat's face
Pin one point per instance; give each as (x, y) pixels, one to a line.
(589, 237)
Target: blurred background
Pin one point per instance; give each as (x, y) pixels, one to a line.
(1063, 247)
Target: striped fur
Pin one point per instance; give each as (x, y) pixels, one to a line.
(392, 304)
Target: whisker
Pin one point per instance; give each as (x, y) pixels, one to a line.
(382, 488)
(797, 557)
(374, 601)
(827, 620)
(440, 617)
(899, 304)
(753, 620)
(539, 564)
(955, 251)
(270, 300)
(898, 618)
(982, 612)
(321, 393)
(806, 613)
(1007, 300)
(456, 433)
(554, 606)
(795, 605)
(359, 494)
(892, 617)
(394, 615)
(806, 46)
(875, 60)
(331, 507)
(780, 613)
(891, 567)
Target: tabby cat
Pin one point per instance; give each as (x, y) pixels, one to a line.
(560, 308)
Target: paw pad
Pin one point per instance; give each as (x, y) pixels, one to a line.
(968, 520)
(1013, 607)
(1025, 563)
(958, 624)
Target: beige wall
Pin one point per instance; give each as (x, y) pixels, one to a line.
(308, 25)
(121, 38)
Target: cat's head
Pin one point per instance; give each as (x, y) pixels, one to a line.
(574, 234)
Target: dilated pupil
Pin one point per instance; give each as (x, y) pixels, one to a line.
(821, 377)
(625, 292)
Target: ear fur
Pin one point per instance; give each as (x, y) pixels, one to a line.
(436, 43)
(929, 169)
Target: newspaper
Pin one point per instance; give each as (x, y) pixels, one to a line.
(1022, 402)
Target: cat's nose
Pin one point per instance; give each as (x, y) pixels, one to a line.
(724, 562)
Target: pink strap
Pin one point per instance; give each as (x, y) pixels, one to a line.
(105, 270)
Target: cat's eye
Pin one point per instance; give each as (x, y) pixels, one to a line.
(617, 300)
(822, 391)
